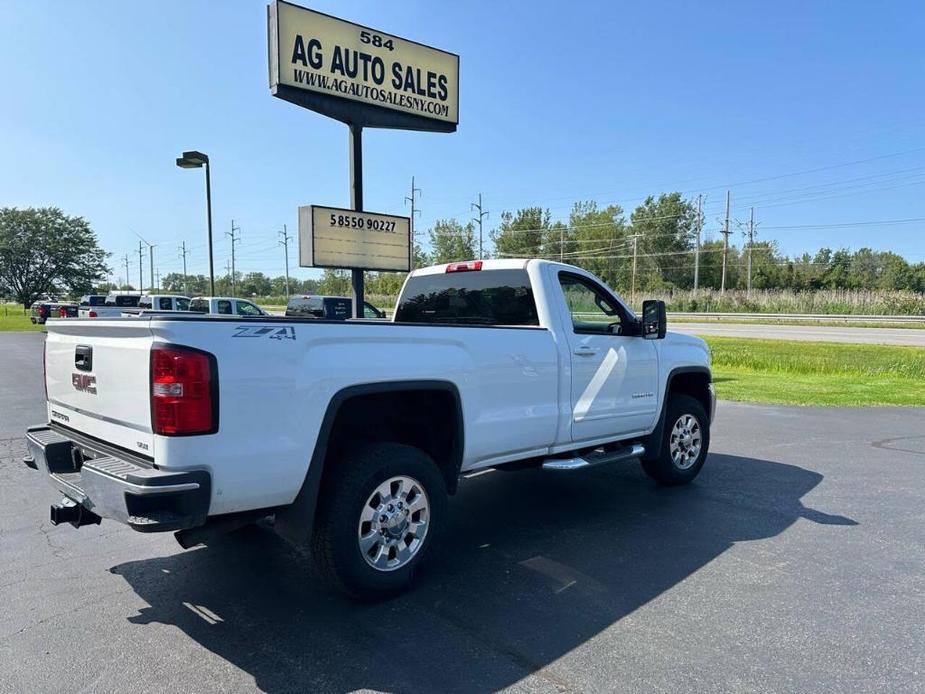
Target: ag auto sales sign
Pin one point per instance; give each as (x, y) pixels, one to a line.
(360, 75)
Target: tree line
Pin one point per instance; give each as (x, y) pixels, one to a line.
(44, 251)
(661, 233)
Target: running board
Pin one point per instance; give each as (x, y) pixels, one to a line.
(598, 457)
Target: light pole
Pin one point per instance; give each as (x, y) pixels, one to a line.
(195, 160)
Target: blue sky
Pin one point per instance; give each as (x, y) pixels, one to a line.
(813, 112)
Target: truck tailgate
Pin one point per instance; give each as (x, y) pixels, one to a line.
(97, 373)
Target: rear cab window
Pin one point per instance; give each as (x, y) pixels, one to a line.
(92, 300)
(482, 297)
(123, 301)
(309, 306)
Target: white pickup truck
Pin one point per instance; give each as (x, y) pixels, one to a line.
(350, 435)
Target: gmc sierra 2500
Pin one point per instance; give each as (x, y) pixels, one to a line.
(352, 434)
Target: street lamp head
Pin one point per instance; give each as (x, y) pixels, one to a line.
(192, 160)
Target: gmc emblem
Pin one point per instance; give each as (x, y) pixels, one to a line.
(85, 383)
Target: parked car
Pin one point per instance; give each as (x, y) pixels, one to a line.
(41, 311)
(113, 305)
(90, 300)
(328, 307)
(352, 434)
(225, 306)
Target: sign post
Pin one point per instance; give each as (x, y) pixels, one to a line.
(362, 77)
(356, 202)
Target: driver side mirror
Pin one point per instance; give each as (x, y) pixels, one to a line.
(654, 319)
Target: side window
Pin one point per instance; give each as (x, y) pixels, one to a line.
(199, 305)
(247, 309)
(224, 307)
(164, 303)
(591, 309)
(370, 311)
(183, 304)
(144, 302)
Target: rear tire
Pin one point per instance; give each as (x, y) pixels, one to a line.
(685, 443)
(380, 508)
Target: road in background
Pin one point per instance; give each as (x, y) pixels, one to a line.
(793, 563)
(812, 333)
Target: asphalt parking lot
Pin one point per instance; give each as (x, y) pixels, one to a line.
(794, 563)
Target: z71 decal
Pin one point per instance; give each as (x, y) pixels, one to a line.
(274, 333)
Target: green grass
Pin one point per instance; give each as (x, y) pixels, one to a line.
(12, 318)
(817, 373)
(783, 321)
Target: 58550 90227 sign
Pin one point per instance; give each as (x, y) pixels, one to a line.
(360, 75)
(338, 238)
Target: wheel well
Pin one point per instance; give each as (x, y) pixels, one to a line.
(693, 383)
(429, 419)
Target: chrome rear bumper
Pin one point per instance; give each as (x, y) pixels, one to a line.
(144, 498)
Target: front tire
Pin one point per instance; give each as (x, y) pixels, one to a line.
(380, 508)
(685, 443)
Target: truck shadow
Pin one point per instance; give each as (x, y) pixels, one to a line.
(532, 566)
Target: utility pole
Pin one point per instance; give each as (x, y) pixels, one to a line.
(151, 259)
(285, 244)
(478, 220)
(183, 253)
(141, 279)
(751, 241)
(158, 275)
(635, 240)
(128, 282)
(235, 235)
(697, 246)
(726, 232)
(414, 210)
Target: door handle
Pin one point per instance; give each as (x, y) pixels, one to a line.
(585, 351)
(83, 358)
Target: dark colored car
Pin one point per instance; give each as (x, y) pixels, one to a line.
(328, 307)
(43, 310)
(92, 300)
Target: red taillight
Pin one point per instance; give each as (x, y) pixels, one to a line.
(43, 311)
(91, 313)
(467, 266)
(183, 392)
(62, 313)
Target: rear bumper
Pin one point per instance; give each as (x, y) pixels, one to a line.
(144, 498)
